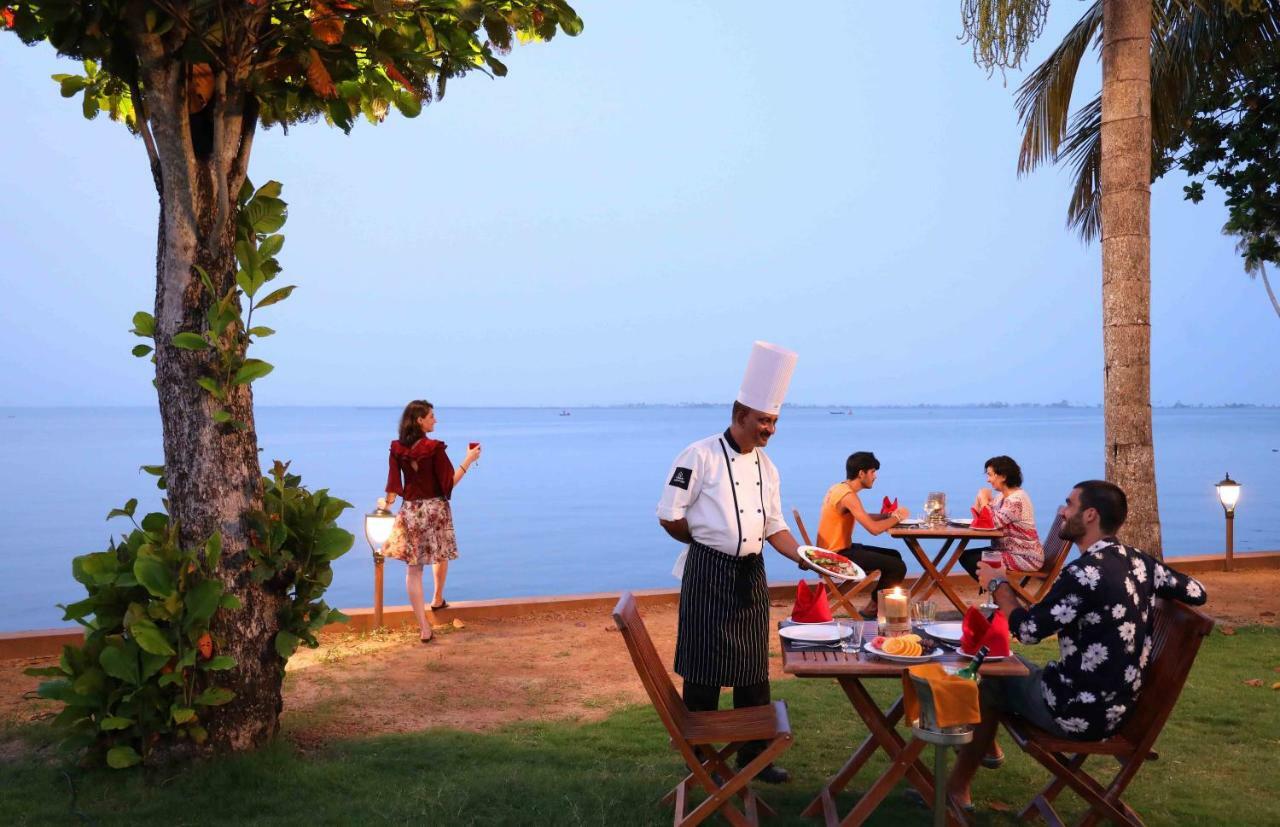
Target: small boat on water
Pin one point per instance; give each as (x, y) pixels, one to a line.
(842, 413)
(565, 413)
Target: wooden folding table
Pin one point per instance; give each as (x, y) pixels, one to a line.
(934, 577)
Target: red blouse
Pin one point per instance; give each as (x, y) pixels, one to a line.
(425, 469)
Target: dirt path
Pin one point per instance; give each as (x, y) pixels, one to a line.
(569, 666)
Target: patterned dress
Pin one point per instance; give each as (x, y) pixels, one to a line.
(423, 531)
(1100, 608)
(1020, 544)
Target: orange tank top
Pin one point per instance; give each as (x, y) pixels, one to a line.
(835, 524)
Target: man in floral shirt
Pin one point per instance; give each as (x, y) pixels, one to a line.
(1101, 610)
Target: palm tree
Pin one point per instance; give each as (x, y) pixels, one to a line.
(1001, 31)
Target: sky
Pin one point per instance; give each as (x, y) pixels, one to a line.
(622, 215)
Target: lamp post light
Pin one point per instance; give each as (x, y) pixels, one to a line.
(377, 528)
(1229, 495)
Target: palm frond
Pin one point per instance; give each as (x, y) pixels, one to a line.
(1044, 98)
(1083, 147)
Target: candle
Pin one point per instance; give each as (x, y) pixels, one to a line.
(895, 604)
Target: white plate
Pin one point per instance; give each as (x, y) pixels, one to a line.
(878, 652)
(990, 658)
(950, 632)
(814, 633)
(790, 619)
(961, 521)
(857, 576)
(912, 523)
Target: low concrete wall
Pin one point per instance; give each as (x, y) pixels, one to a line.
(48, 642)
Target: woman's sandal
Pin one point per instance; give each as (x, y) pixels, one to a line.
(993, 762)
(425, 640)
(443, 605)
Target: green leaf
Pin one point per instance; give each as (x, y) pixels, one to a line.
(156, 522)
(251, 370)
(144, 324)
(152, 664)
(213, 550)
(332, 543)
(211, 385)
(121, 663)
(80, 609)
(150, 638)
(189, 341)
(115, 722)
(221, 416)
(202, 601)
(153, 470)
(71, 84)
(407, 103)
(182, 714)
(270, 246)
(286, 643)
(231, 602)
(214, 696)
(44, 671)
(141, 350)
(204, 278)
(276, 296)
(271, 189)
(261, 332)
(219, 663)
(90, 107)
(118, 758)
(127, 511)
(154, 576)
(169, 679)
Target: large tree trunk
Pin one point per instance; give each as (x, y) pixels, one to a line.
(1126, 263)
(212, 469)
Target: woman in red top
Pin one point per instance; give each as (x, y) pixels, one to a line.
(420, 471)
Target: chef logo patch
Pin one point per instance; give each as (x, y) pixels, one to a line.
(681, 477)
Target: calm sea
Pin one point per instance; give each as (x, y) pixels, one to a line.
(563, 504)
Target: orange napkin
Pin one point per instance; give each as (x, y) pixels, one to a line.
(889, 507)
(955, 700)
(983, 518)
(812, 606)
(976, 631)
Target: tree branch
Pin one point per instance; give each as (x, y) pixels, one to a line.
(144, 128)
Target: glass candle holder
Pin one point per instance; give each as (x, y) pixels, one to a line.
(893, 613)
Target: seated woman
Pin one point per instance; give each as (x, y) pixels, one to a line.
(841, 509)
(1019, 544)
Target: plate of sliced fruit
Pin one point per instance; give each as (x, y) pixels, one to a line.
(902, 648)
(832, 564)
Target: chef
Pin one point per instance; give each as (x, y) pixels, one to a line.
(722, 498)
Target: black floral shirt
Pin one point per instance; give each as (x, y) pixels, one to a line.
(1100, 607)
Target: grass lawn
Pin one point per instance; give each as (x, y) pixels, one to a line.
(1218, 765)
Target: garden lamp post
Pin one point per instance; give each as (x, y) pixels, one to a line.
(1229, 495)
(377, 528)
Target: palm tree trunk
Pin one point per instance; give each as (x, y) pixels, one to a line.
(1126, 263)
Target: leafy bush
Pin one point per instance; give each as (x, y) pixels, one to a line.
(147, 668)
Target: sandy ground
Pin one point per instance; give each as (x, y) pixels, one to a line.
(570, 666)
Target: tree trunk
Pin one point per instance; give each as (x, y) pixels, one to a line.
(1126, 263)
(212, 469)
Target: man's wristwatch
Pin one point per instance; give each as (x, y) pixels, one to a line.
(995, 583)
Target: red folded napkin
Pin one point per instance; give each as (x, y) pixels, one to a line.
(889, 507)
(983, 518)
(812, 605)
(976, 631)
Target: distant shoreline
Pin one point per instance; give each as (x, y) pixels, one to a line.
(834, 407)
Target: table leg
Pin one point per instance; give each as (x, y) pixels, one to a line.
(932, 573)
(929, 585)
(945, 571)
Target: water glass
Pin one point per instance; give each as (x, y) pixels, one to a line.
(923, 612)
(851, 643)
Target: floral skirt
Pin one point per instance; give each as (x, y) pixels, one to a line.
(423, 533)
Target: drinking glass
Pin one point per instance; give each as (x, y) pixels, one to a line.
(853, 642)
(474, 445)
(923, 612)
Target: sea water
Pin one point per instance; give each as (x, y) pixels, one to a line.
(564, 502)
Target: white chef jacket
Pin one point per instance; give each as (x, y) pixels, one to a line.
(732, 501)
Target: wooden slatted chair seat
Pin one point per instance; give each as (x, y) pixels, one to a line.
(841, 591)
(695, 734)
(1178, 630)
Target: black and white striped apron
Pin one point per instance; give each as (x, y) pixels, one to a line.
(722, 638)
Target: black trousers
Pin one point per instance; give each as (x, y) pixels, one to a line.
(884, 560)
(699, 697)
(970, 559)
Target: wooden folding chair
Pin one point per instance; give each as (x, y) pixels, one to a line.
(695, 734)
(1178, 631)
(842, 591)
(1056, 551)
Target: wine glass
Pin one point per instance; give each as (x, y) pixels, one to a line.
(471, 445)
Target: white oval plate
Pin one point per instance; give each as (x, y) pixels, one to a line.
(857, 576)
(814, 633)
(790, 619)
(910, 523)
(878, 652)
(961, 521)
(950, 632)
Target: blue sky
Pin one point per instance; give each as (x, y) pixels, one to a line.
(623, 214)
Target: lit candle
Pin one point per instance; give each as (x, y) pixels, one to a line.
(895, 604)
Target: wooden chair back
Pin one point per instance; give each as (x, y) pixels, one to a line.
(1055, 548)
(1177, 632)
(657, 682)
(804, 535)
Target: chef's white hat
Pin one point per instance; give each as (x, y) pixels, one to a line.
(768, 375)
